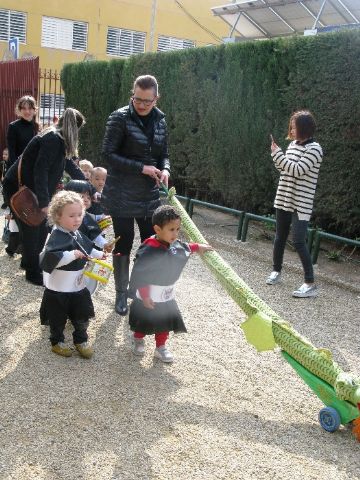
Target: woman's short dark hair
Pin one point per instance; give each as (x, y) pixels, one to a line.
(78, 186)
(305, 124)
(145, 82)
(164, 215)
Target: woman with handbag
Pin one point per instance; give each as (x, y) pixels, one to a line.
(40, 168)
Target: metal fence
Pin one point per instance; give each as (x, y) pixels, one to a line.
(51, 99)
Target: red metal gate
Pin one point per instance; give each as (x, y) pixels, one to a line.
(17, 78)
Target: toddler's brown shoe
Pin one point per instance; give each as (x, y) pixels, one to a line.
(84, 349)
(61, 349)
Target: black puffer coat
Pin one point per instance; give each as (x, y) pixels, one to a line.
(126, 149)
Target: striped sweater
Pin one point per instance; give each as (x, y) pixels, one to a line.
(299, 171)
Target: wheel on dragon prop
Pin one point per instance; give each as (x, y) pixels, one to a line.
(329, 419)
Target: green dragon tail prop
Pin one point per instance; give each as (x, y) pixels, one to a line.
(263, 328)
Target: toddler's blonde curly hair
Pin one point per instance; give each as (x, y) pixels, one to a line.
(59, 201)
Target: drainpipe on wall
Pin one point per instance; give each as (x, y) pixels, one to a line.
(152, 25)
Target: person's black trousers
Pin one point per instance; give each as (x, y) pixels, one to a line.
(33, 239)
(57, 307)
(57, 330)
(284, 220)
(125, 228)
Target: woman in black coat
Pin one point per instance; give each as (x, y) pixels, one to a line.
(135, 149)
(19, 134)
(22, 130)
(43, 163)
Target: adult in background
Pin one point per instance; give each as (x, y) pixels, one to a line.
(43, 163)
(19, 134)
(299, 170)
(136, 151)
(22, 130)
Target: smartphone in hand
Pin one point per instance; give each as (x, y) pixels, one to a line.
(271, 138)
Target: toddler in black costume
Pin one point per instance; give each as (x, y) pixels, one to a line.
(63, 260)
(158, 265)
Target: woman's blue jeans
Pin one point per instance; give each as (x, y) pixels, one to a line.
(299, 230)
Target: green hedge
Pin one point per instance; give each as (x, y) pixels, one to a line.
(221, 104)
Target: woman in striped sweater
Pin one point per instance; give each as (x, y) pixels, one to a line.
(299, 170)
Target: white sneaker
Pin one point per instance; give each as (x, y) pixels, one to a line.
(306, 290)
(273, 278)
(164, 354)
(137, 345)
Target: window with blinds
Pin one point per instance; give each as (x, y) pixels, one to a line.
(64, 34)
(12, 24)
(123, 43)
(171, 43)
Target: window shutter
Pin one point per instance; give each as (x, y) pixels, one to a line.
(64, 34)
(124, 43)
(112, 41)
(80, 36)
(12, 24)
(18, 26)
(171, 43)
(4, 25)
(188, 44)
(138, 42)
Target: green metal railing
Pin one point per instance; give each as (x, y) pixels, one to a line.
(252, 216)
(319, 234)
(232, 211)
(260, 218)
(314, 236)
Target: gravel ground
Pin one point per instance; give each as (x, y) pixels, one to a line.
(220, 411)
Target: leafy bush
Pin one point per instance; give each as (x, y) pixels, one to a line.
(221, 104)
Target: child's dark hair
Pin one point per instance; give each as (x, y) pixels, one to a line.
(164, 215)
(78, 186)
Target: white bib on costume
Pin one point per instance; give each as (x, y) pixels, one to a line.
(160, 294)
(64, 280)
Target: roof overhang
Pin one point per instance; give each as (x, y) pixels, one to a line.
(260, 19)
